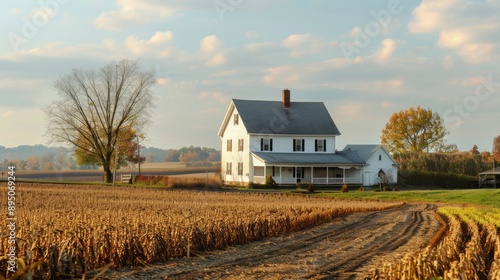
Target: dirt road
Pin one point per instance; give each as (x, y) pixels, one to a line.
(345, 249)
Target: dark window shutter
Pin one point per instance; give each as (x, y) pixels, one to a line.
(302, 172)
(316, 145)
(294, 144)
(303, 144)
(294, 172)
(262, 144)
(271, 144)
(324, 145)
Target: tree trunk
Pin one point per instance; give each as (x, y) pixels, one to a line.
(108, 174)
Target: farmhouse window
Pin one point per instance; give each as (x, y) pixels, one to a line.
(380, 157)
(240, 168)
(298, 145)
(229, 145)
(266, 144)
(229, 168)
(236, 119)
(240, 144)
(320, 145)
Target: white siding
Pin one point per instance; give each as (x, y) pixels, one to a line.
(235, 132)
(374, 165)
(284, 143)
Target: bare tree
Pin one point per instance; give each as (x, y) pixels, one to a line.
(97, 105)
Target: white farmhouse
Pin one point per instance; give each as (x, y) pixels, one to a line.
(294, 142)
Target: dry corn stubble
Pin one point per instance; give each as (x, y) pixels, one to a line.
(76, 230)
(470, 250)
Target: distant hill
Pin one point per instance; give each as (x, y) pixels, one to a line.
(152, 154)
(23, 152)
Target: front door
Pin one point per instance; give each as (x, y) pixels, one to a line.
(299, 173)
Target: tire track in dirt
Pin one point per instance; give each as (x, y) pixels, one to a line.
(288, 249)
(347, 266)
(343, 249)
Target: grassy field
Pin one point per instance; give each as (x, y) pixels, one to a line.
(489, 197)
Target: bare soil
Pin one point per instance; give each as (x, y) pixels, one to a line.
(345, 249)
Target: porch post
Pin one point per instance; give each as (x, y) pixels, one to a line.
(312, 174)
(265, 170)
(343, 175)
(361, 176)
(295, 175)
(281, 178)
(327, 175)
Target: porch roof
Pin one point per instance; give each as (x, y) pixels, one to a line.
(339, 158)
(495, 171)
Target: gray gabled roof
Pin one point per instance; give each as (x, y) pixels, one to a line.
(270, 117)
(339, 158)
(364, 151)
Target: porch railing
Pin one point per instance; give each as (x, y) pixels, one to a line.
(317, 181)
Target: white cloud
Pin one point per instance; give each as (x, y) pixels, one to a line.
(216, 60)
(214, 97)
(465, 82)
(212, 51)
(286, 75)
(300, 44)
(260, 47)
(131, 11)
(394, 83)
(157, 46)
(210, 44)
(453, 38)
(386, 51)
(470, 28)
(431, 15)
(63, 50)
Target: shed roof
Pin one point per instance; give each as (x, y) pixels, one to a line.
(364, 151)
(495, 171)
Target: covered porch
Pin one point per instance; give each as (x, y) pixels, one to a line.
(318, 169)
(317, 175)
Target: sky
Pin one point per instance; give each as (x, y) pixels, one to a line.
(364, 59)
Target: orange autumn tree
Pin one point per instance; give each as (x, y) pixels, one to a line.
(495, 152)
(414, 130)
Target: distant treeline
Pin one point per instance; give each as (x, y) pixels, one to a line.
(190, 154)
(444, 170)
(40, 157)
(460, 163)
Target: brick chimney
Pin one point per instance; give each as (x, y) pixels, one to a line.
(286, 98)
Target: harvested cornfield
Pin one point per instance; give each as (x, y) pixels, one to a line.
(75, 231)
(470, 250)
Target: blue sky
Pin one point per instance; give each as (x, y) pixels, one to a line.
(364, 59)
